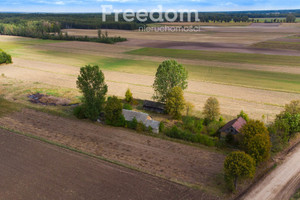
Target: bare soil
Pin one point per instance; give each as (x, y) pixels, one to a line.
(223, 47)
(31, 169)
(159, 157)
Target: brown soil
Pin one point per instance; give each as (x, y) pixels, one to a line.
(31, 169)
(160, 157)
(223, 47)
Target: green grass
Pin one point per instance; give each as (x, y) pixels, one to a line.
(220, 56)
(278, 45)
(7, 107)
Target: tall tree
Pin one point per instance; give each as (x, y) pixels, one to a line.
(290, 18)
(169, 75)
(211, 109)
(92, 85)
(238, 165)
(256, 140)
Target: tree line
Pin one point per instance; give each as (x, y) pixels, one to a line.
(50, 30)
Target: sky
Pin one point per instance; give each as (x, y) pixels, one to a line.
(95, 6)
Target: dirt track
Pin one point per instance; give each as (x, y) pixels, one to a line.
(281, 183)
(160, 157)
(30, 169)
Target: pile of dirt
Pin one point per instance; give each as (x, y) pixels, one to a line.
(48, 100)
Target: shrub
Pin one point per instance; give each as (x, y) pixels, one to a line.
(92, 85)
(132, 124)
(128, 96)
(175, 102)
(213, 127)
(113, 112)
(79, 112)
(192, 124)
(4, 57)
(161, 127)
(127, 106)
(243, 115)
(177, 133)
(140, 127)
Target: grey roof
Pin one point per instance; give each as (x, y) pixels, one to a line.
(141, 117)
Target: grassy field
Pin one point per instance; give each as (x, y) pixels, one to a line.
(230, 76)
(278, 45)
(221, 56)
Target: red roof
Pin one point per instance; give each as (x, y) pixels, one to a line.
(237, 124)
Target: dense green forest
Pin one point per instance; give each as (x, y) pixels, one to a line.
(50, 30)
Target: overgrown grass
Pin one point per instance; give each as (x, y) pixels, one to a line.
(7, 107)
(220, 56)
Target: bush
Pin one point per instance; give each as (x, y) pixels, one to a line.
(113, 112)
(177, 133)
(213, 127)
(192, 124)
(79, 112)
(161, 127)
(127, 106)
(132, 124)
(243, 115)
(128, 96)
(175, 102)
(140, 127)
(4, 57)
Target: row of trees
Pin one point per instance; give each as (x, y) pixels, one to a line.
(48, 30)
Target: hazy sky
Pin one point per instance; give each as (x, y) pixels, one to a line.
(95, 5)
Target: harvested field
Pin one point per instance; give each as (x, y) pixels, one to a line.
(223, 47)
(232, 98)
(238, 35)
(31, 169)
(160, 157)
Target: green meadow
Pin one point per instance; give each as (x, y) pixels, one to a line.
(220, 56)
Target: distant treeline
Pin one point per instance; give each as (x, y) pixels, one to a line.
(94, 21)
(50, 30)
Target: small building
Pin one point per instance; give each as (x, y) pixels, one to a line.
(233, 127)
(154, 106)
(142, 118)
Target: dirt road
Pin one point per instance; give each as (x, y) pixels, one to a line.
(281, 183)
(30, 169)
